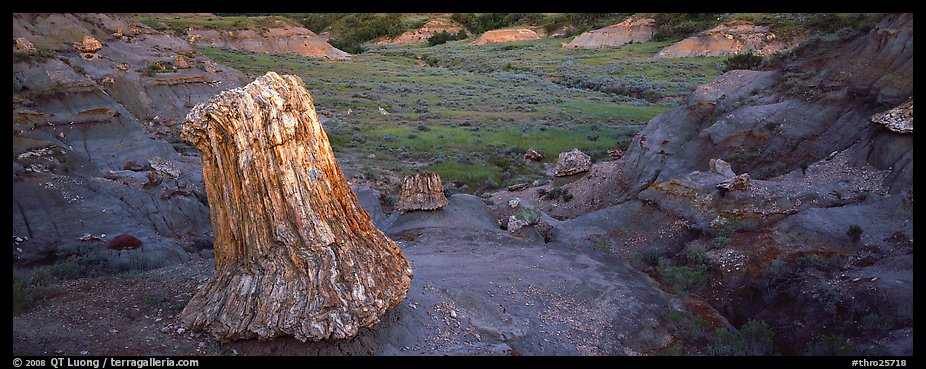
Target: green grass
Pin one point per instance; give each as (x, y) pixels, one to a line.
(180, 24)
(482, 114)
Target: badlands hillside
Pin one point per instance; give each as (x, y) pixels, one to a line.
(463, 184)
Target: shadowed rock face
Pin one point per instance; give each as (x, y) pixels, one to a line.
(818, 168)
(755, 121)
(295, 254)
(421, 191)
(78, 121)
(629, 31)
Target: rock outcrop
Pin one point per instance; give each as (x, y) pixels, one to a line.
(432, 27)
(725, 40)
(631, 30)
(817, 167)
(753, 120)
(571, 162)
(506, 35)
(287, 40)
(78, 121)
(421, 191)
(899, 119)
(295, 254)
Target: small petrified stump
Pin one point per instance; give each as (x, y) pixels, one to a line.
(23, 45)
(89, 45)
(295, 254)
(615, 154)
(421, 191)
(571, 162)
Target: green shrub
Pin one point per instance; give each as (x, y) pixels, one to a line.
(530, 215)
(721, 241)
(443, 37)
(22, 296)
(68, 269)
(855, 232)
(818, 262)
(646, 259)
(874, 323)
(748, 61)
(358, 28)
(686, 325)
(754, 339)
(830, 345)
(696, 255)
(683, 279)
(669, 25)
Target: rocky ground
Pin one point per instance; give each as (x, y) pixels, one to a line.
(476, 291)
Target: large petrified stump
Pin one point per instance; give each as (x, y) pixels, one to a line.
(295, 254)
(421, 191)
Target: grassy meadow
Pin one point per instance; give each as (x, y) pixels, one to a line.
(470, 112)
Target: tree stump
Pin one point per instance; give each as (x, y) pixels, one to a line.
(295, 254)
(421, 191)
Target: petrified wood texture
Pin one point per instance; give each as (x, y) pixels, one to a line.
(421, 191)
(295, 254)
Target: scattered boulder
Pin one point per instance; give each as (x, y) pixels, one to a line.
(22, 45)
(506, 35)
(631, 30)
(533, 155)
(513, 203)
(164, 166)
(737, 183)
(615, 154)
(122, 66)
(721, 167)
(124, 242)
(288, 200)
(898, 119)
(89, 45)
(421, 191)
(572, 162)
